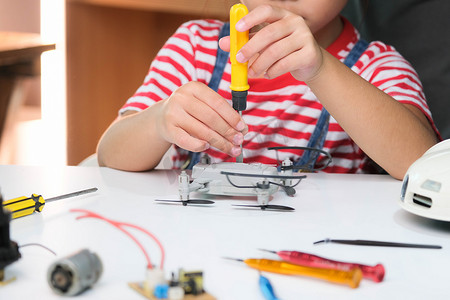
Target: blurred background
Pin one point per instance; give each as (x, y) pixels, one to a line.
(103, 49)
(29, 120)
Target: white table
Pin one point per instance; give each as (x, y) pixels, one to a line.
(335, 206)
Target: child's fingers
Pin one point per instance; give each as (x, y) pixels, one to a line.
(209, 117)
(291, 53)
(224, 43)
(192, 135)
(276, 34)
(302, 72)
(197, 111)
(265, 58)
(218, 104)
(259, 15)
(184, 140)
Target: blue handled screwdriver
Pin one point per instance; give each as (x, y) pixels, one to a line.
(266, 288)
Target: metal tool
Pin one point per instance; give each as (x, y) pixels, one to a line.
(239, 71)
(375, 273)
(23, 206)
(377, 243)
(351, 278)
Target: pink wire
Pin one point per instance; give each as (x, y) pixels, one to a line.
(118, 225)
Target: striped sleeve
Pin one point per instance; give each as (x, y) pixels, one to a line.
(185, 57)
(386, 69)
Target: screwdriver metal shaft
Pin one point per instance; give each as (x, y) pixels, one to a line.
(240, 158)
(74, 194)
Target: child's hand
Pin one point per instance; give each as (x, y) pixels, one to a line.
(286, 44)
(195, 117)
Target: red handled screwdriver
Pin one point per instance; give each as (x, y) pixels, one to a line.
(375, 273)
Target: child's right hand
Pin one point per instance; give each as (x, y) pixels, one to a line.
(195, 117)
(284, 43)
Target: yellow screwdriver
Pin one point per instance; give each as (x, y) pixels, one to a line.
(23, 206)
(239, 71)
(352, 277)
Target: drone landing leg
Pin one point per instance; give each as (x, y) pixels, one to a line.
(262, 192)
(183, 186)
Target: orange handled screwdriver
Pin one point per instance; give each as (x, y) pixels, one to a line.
(24, 206)
(351, 278)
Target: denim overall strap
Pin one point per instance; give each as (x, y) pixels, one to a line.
(221, 60)
(216, 77)
(317, 139)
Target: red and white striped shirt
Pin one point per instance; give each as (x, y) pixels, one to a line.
(280, 111)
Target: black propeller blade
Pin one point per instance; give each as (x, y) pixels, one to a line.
(268, 207)
(190, 201)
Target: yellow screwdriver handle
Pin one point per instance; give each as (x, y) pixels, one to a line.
(239, 71)
(351, 278)
(23, 206)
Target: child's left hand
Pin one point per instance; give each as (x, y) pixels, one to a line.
(286, 44)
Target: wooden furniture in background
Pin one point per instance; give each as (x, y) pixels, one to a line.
(110, 44)
(20, 56)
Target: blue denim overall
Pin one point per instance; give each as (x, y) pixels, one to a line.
(317, 140)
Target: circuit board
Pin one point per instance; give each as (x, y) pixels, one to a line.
(139, 287)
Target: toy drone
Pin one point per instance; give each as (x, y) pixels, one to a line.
(241, 179)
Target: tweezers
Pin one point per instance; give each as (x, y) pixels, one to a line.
(377, 243)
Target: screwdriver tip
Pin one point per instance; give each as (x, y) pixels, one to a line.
(270, 251)
(327, 240)
(232, 258)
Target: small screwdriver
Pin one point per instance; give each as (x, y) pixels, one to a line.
(239, 71)
(352, 277)
(375, 273)
(23, 206)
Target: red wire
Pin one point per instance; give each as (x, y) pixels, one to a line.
(151, 236)
(118, 225)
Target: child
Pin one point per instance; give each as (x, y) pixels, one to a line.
(295, 64)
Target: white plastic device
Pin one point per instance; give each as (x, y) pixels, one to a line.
(426, 185)
(207, 178)
(219, 185)
(238, 179)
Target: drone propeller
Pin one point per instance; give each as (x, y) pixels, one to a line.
(268, 207)
(190, 201)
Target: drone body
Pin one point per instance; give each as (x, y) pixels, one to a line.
(236, 179)
(217, 183)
